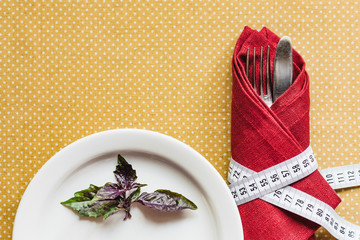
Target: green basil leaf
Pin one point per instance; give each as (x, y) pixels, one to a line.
(112, 211)
(134, 195)
(91, 208)
(86, 203)
(89, 192)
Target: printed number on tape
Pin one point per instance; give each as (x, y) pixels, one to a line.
(271, 185)
(246, 187)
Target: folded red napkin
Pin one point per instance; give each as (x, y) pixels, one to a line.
(262, 137)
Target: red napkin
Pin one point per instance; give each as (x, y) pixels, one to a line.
(262, 137)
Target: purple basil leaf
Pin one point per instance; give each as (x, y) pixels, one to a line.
(124, 173)
(165, 200)
(114, 197)
(110, 191)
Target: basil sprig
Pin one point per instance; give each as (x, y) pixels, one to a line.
(117, 197)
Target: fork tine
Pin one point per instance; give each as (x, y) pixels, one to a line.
(268, 80)
(266, 97)
(261, 69)
(254, 70)
(247, 62)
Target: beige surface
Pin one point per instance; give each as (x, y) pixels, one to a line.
(69, 69)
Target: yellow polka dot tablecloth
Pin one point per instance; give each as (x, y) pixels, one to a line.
(72, 68)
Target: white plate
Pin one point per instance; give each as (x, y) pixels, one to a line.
(160, 161)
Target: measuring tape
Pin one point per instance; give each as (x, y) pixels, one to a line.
(342, 177)
(246, 185)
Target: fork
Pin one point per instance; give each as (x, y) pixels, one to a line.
(267, 98)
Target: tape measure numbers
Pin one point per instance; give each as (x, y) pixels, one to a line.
(246, 187)
(242, 182)
(342, 177)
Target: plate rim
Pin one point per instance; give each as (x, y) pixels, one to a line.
(233, 226)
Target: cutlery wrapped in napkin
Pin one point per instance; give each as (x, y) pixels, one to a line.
(262, 137)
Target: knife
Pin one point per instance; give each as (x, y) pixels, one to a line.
(283, 67)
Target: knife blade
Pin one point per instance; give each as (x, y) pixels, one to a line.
(283, 67)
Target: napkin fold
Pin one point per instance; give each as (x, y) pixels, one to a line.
(262, 137)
